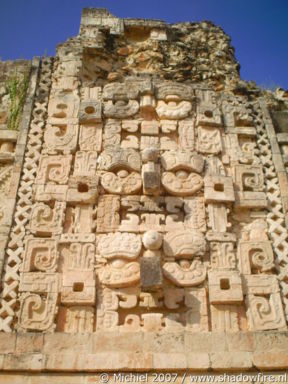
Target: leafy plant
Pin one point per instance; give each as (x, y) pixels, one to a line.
(17, 88)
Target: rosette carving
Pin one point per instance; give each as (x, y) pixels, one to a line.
(184, 273)
(182, 183)
(173, 110)
(122, 183)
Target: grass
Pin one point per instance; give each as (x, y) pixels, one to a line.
(17, 87)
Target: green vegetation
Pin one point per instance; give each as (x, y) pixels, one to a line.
(17, 88)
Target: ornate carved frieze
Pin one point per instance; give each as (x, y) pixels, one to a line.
(111, 159)
(150, 198)
(181, 183)
(123, 183)
(119, 273)
(78, 287)
(263, 300)
(249, 186)
(41, 255)
(218, 189)
(114, 245)
(54, 169)
(185, 273)
(90, 137)
(255, 257)
(172, 108)
(222, 255)
(209, 140)
(45, 220)
(61, 138)
(172, 161)
(38, 301)
(85, 163)
(225, 287)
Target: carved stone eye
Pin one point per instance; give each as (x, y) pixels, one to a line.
(121, 103)
(208, 114)
(89, 110)
(122, 173)
(182, 174)
(118, 263)
(184, 264)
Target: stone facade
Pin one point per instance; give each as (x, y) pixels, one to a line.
(148, 207)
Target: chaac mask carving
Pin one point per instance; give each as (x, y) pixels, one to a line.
(147, 200)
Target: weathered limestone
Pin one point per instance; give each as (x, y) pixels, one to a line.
(149, 221)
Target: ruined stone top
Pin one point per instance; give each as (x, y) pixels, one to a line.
(186, 52)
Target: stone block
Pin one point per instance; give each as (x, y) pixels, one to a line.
(151, 182)
(260, 284)
(101, 361)
(8, 135)
(13, 378)
(272, 340)
(65, 362)
(14, 182)
(231, 361)
(240, 341)
(65, 343)
(251, 200)
(225, 317)
(278, 162)
(282, 138)
(23, 362)
(7, 342)
(50, 192)
(152, 322)
(205, 342)
(7, 157)
(283, 182)
(19, 153)
(78, 287)
(56, 378)
(150, 128)
(169, 361)
(8, 213)
(150, 273)
(218, 189)
(164, 342)
(225, 287)
(274, 145)
(271, 360)
(113, 340)
(255, 256)
(249, 186)
(29, 342)
(82, 195)
(198, 361)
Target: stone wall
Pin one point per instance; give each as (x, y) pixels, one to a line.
(149, 227)
(12, 141)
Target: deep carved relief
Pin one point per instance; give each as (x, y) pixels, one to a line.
(181, 183)
(145, 204)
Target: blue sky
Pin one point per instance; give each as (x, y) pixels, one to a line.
(258, 28)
